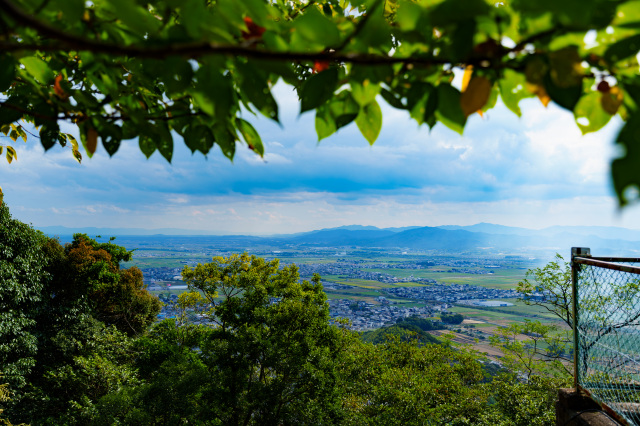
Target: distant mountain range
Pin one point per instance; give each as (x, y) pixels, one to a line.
(602, 240)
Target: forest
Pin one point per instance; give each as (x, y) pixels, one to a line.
(80, 344)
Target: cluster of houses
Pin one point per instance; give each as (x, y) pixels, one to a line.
(367, 316)
(154, 275)
(356, 270)
(451, 293)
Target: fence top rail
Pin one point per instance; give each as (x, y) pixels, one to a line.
(617, 259)
(608, 265)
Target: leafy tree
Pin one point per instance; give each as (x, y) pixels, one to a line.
(533, 349)
(65, 313)
(401, 331)
(172, 377)
(422, 323)
(154, 69)
(23, 276)
(453, 319)
(550, 288)
(519, 403)
(116, 296)
(401, 383)
(268, 357)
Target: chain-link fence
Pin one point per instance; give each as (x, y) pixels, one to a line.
(606, 308)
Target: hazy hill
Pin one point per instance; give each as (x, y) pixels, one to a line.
(602, 240)
(341, 237)
(490, 228)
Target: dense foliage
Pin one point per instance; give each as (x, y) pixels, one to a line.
(448, 318)
(65, 316)
(405, 329)
(251, 344)
(153, 70)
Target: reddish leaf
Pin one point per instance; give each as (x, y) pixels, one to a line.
(255, 31)
(58, 89)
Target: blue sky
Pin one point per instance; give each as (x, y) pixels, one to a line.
(533, 172)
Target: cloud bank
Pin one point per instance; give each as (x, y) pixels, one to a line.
(535, 171)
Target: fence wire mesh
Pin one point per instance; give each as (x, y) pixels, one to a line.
(608, 334)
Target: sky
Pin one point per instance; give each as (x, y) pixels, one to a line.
(533, 172)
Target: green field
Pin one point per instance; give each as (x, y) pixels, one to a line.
(502, 278)
(501, 315)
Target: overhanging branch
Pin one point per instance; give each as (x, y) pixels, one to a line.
(63, 41)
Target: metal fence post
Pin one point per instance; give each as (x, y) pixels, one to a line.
(575, 268)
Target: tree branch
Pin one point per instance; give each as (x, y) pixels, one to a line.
(70, 42)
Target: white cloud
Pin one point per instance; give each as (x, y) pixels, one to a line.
(534, 171)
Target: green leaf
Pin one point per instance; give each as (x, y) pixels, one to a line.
(369, 121)
(250, 136)
(342, 110)
(318, 89)
(111, 136)
(457, 11)
(71, 9)
(408, 15)
(513, 90)
(213, 92)
(7, 71)
(325, 123)
(566, 97)
(177, 74)
(418, 95)
(462, 40)
(431, 106)
(258, 10)
(134, 16)
(49, 135)
(625, 172)
(8, 115)
(193, 14)
(392, 99)
(199, 138)
(315, 27)
(253, 84)
(225, 139)
(147, 145)
(364, 93)
(375, 35)
(38, 69)
(449, 110)
(589, 114)
(164, 140)
(623, 49)
(274, 42)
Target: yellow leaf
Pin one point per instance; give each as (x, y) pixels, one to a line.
(611, 100)
(466, 77)
(92, 140)
(1, 148)
(475, 96)
(13, 135)
(22, 133)
(1, 196)
(5, 129)
(14, 154)
(77, 155)
(540, 92)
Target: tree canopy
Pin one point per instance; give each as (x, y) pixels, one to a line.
(165, 70)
